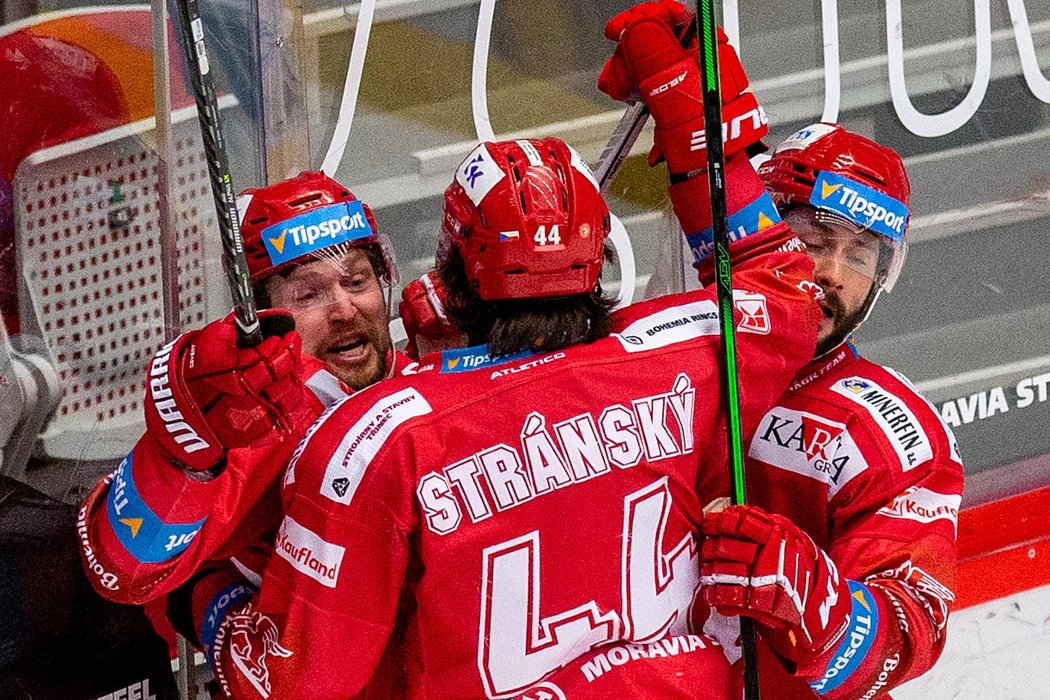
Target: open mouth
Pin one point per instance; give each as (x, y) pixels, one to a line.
(350, 350)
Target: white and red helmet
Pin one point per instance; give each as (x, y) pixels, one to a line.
(310, 216)
(528, 220)
(848, 179)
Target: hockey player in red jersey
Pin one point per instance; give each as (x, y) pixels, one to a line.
(867, 477)
(223, 420)
(526, 504)
(850, 581)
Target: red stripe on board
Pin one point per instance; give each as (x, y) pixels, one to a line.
(1004, 547)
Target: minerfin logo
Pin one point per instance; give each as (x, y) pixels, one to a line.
(315, 230)
(860, 204)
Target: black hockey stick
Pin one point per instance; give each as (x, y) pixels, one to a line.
(707, 31)
(219, 173)
(623, 137)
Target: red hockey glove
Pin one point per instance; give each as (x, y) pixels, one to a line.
(763, 566)
(422, 310)
(206, 395)
(652, 61)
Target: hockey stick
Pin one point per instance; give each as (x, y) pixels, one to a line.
(619, 146)
(707, 31)
(219, 173)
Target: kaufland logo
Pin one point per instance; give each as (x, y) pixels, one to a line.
(315, 230)
(862, 205)
(308, 553)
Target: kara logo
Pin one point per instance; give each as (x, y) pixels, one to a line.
(811, 437)
(862, 205)
(808, 445)
(308, 553)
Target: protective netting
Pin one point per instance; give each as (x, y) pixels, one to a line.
(88, 245)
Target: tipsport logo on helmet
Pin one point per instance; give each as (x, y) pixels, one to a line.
(862, 205)
(315, 230)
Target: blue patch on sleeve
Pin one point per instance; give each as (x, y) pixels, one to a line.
(315, 230)
(860, 204)
(863, 625)
(759, 215)
(230, 596)
(466, 359)
(146, 537)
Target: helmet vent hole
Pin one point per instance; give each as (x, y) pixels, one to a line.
(302, 201)
(524, 207)
(259, 220)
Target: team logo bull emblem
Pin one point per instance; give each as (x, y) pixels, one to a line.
(253, 637)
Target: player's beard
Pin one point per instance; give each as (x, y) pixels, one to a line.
(844, 321)
(360, 377)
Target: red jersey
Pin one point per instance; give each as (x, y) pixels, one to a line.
(506, 516)
(146, 528)
(859, 460)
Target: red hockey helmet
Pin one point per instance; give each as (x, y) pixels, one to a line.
(848, 179)
(307, 216)
(528, 220)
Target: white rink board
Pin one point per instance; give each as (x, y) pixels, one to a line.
(999, 650)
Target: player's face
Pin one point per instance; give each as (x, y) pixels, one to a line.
(845, 266)
(340, 313)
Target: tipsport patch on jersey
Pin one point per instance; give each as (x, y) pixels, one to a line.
(466, 359)
(479, 174)
(315, 230)
(860, 204)
(755, 217)
(900, 426)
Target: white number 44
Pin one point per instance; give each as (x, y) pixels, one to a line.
(545, 237)
(518, 645)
